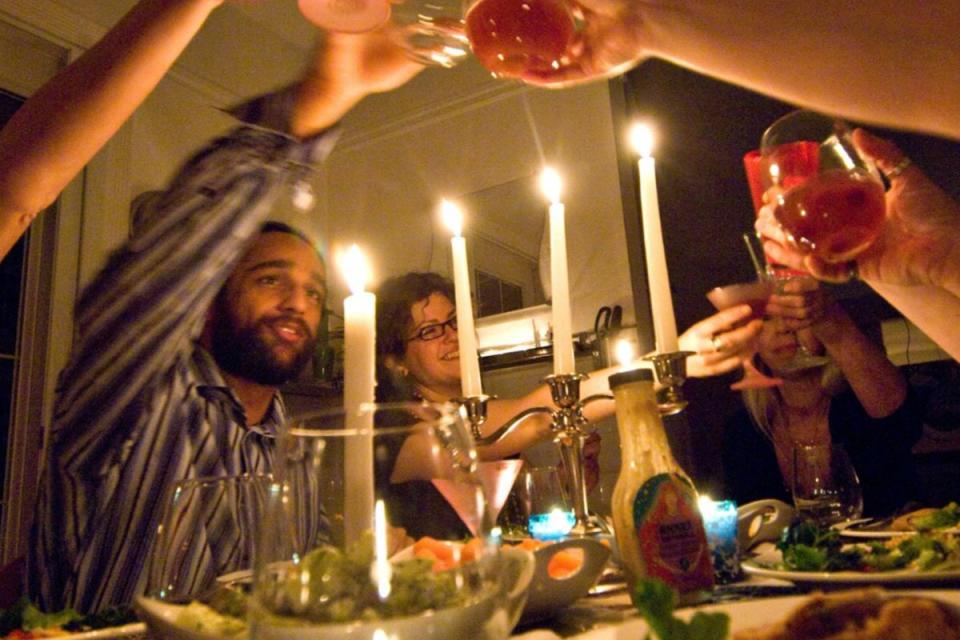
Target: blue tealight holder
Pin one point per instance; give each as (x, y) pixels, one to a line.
(554, 525)
(720, 523)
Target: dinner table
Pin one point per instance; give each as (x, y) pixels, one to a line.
(607, 613)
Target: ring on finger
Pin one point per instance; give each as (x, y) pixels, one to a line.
(718, 344)
(899, 168)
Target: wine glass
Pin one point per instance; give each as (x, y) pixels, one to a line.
(753, 164)
(803, 358)
(756, 294)
(334, 555)
(206, 536)
(430, 31)
(511, 37)
(825, 484)
(830, 201)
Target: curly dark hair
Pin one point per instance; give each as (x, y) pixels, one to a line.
(395, 298)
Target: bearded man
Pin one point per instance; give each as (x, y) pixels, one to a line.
(186, 335)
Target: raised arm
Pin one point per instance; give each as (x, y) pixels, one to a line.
(61, 127)
(914, 264)
(720, 344)
(887, 62)
(876, 381)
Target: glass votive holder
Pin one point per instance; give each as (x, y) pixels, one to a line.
(720, 523)
(553, 525)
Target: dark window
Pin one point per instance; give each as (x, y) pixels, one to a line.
(11, 289)
(496, 296)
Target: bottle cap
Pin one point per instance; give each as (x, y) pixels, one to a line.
(633, 375)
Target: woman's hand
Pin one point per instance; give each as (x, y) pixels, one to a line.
(918, 244)
(347, 68)
(720, 344)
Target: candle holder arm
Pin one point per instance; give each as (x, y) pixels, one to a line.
(509, 426)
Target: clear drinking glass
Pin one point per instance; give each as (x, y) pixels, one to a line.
(207, 535)
(804, 358)
(334, 558)
(825, 484)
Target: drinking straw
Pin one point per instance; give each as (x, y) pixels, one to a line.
(761, 272)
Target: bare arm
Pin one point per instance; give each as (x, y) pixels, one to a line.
(59, 129)
(831, 56)
(737, 341)
(806, 307)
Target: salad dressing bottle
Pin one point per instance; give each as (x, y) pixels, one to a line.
(656, 520)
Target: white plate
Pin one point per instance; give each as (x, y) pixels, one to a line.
(759, 565)
(860, 529)
(456, 622)
(123, 631)
(744, 615)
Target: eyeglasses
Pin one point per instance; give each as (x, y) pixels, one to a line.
(433, 331)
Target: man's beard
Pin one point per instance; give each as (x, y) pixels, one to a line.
(245, 353)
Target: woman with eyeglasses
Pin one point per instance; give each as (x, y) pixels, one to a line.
(418, 357)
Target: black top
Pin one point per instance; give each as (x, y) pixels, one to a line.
(416, 505)
(878, 448)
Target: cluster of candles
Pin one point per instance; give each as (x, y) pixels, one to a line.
(360, 311)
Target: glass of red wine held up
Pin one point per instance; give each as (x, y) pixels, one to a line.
(830, 200)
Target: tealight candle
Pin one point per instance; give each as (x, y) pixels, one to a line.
(720, 524)
(658, 280)
(552, 525)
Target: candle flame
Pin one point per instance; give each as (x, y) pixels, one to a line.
(624, 352)
(641, 137)
(354, 268)
(551, 184)
(381, 571)
(452, 217)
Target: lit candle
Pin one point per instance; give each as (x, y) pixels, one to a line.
(359, 331)
(658, 281)
(720, 525)
(380, 571)
(563, 361)
(467, 338)
(624, 353)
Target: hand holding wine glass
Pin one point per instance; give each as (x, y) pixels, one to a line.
(918, 232)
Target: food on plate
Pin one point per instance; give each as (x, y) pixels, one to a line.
(206, 620)
(864, 614)
(805, 546)
(928, 519)
(342, 587)
(655, 600)
(24, 620)
(562, 564)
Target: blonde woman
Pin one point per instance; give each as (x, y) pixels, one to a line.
(859, 400)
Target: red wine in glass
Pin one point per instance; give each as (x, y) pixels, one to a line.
(834, 215)
(831, 200)
(510, 37)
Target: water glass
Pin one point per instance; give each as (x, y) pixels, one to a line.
(826, 488)
(207, 533)
(544, 504)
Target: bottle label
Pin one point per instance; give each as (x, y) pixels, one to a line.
(670, 533)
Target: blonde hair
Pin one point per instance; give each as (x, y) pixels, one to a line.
(763, 404)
